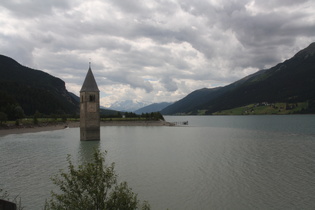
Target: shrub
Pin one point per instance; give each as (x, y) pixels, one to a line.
(92, 186)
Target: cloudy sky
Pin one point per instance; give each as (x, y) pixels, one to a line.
(154, 50)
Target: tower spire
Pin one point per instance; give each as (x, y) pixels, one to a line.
(89, 83)
(89, 108)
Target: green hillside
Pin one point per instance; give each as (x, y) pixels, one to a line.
(32, 90)
(266, 108)
(290, 82)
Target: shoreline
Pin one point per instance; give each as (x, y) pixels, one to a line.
(58, 126)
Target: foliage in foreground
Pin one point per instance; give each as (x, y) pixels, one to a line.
(4, 195)
(92, 186)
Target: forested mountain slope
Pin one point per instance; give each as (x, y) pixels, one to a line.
(292, 81)
(33, 90)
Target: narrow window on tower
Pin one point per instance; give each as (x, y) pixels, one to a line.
(92, 98)
(81, 98)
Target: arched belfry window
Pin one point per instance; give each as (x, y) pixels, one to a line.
(92, 98)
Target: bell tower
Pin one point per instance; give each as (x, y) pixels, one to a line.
(89, 109)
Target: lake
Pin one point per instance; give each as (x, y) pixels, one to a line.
(216, 162)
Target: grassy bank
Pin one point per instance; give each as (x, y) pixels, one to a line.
(266, 109)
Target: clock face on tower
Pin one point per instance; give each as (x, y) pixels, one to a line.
(91, 107)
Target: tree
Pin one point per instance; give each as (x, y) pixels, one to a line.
(19, 112)
(92, 186)
(153, 116)
(35, 117)
(3, 117)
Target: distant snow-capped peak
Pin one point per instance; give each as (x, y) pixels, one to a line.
(128, 105)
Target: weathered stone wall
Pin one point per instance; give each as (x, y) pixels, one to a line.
(90, 134)
(89, 116)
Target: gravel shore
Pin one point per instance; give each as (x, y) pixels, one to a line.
(50, 127)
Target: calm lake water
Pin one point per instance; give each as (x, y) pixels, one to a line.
(216, 162)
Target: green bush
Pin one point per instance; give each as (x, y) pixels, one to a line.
(92, 186)
(3, 117)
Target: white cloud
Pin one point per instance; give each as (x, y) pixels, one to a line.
(159, 50)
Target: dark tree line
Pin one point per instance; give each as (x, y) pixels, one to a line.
(152, 116)
(10, 109)
(147, 116)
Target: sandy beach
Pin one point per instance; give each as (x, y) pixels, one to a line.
(58, 126)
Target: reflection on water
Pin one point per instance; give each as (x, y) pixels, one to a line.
(87, 149)
(214, 163)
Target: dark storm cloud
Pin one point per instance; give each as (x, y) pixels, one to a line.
(267, 29)
(158, 50)
(34, 8)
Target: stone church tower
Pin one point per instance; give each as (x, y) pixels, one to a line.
(89, 109)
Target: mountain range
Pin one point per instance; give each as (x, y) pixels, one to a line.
(33, 90)
(128, 105)
(155, 107)
(291, 81)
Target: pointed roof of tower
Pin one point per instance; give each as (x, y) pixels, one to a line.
(89, 83)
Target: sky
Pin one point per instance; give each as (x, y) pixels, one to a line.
(154, 50)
